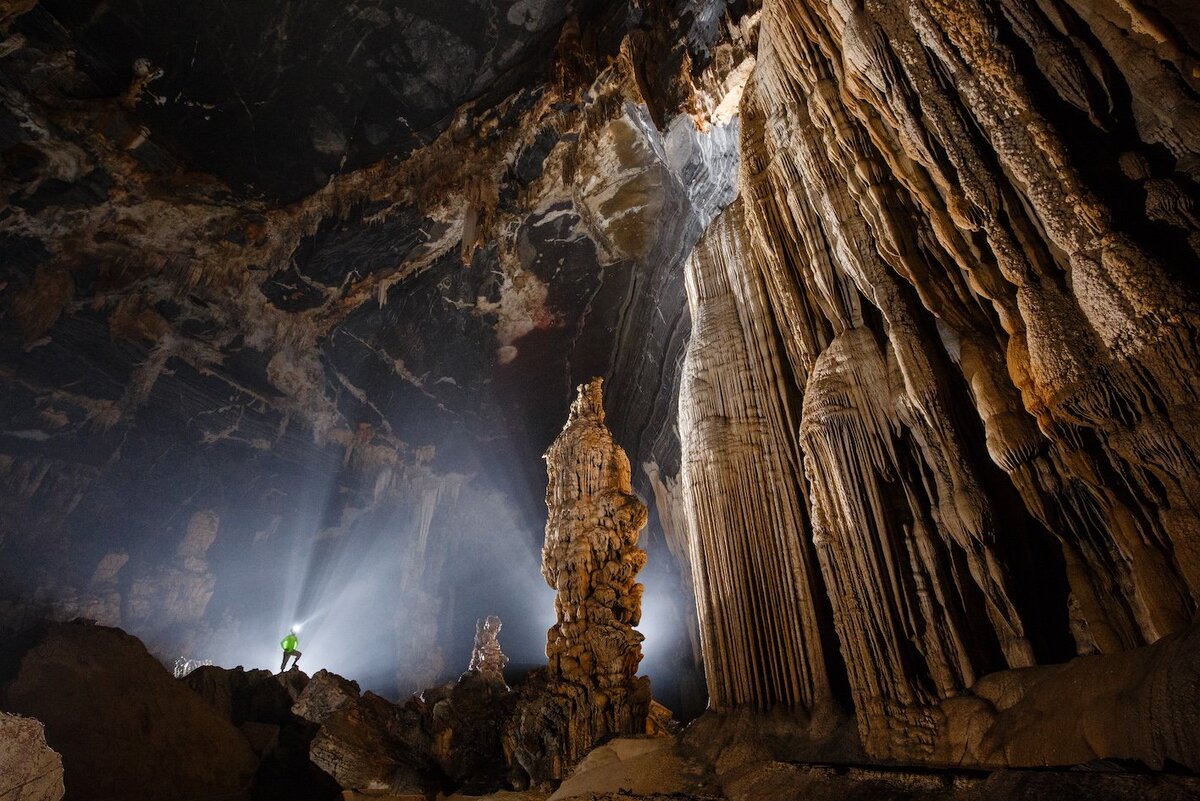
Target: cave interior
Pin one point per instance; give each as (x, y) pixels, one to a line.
(691, 399)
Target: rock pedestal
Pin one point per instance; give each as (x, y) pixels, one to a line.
(590, 689)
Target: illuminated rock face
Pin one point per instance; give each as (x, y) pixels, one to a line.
(590, 690)
(486, 656)
(959, 326)
(590, 557)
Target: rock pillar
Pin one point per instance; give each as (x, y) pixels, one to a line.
(590, 690)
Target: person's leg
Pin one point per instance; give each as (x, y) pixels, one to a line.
(295, 658)
(283, 664)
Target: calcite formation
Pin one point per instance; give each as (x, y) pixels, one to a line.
(486, 656)
(980, 343)
(896, 302)
(590, 690)
(590, 557)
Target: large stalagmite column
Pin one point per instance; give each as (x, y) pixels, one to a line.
(590, 691)
(590, 557)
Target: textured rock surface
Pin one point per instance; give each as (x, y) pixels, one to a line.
(590, 690)
(260, 704)
(30, 770)
(371, 744)
(918, 416)
(123, 724)
(304, 279)
(466, 720)
(758, 594)
(1135, 705)
(486, 655)
(590, 557)
(324, 694)
(953, 285)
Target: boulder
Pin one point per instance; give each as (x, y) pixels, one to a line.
(30, 770)
(466, 721)
(126, 728)
(324, 694)
(371, 744)
(240, 695)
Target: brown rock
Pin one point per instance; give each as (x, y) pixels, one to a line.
(125, 727)
(486, 656)
(370, 744)
(324, 694)
(240, 695)
(29, 769)
(590, 690)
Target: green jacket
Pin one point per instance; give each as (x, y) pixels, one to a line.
(289, 642)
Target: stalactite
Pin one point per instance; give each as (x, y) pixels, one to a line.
(971, 314)
(757, 591)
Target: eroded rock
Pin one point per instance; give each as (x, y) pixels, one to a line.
(30, 770)
(324, 694)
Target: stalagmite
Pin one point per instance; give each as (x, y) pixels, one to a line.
(590, 690)
(486, 656)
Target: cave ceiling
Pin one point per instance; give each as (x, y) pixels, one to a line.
(290, 263)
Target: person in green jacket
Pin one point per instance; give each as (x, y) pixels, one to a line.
(288, 644)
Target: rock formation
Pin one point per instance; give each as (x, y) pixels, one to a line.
(323, 695)
(372, 745)
(974, 334)
(124, 726)
(486, 656)
(590, 558)
(896, 303)
(30, 770)
(758, 594)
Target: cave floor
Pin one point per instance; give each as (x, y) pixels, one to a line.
(779, 781)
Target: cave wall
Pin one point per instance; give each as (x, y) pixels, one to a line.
(974, 236)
